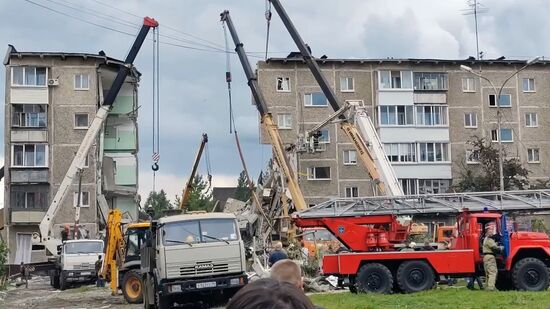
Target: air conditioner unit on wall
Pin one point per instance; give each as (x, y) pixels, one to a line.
(53, 82)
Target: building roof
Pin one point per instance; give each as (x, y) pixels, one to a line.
(297, 57)
(12, 53)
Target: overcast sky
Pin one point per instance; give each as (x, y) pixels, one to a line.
(193, 93)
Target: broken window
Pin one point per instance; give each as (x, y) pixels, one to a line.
(318, 173)
(283, 84)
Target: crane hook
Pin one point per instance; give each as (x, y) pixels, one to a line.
(155, 167)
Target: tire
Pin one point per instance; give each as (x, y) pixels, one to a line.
(63, 281)
(415, 276)
(374, 278)
(132, 287)
(352, 287)
(530, 274)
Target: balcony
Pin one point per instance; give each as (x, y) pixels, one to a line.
(29, 175)
(20, 136)
(26, 216)
(29, 95)
(430, 97)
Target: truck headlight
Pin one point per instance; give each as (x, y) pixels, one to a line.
(175, 288)
(235, 281)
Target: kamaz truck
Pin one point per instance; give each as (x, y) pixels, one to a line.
(75, 262)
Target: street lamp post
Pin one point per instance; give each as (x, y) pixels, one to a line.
(497, 100)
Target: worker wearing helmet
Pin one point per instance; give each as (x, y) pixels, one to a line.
(490, 248)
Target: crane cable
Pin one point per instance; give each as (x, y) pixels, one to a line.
(208, 166)
(156, 107)
(228, 80)
(268, 15)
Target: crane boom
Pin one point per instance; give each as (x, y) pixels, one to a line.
(184, 203)
(46, 237)
(373, 158)
(266, 118)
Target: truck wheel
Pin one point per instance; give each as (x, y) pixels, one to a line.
(132, 287)
(374, 278)
(415, 276)
(530, 274)
(352, 286)
(63, 280)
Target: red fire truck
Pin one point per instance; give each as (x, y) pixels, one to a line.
(377, 259)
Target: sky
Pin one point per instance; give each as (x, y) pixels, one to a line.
(193, 91)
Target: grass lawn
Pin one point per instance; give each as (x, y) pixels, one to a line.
(439, 298)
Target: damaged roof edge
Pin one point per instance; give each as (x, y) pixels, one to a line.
(12, 52)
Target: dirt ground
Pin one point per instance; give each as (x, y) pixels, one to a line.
(40, 295)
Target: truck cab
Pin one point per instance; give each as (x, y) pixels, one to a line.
(76, 262)
(192, 257)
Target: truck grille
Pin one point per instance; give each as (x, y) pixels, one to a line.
(203, 268)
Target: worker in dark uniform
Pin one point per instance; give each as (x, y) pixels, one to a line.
(98, 266)
(23, 269)
(490, 248)
(277, 254)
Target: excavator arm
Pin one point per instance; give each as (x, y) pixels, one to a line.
(114, 250)
(46, 237)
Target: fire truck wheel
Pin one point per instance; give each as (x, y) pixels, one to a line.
(530, 274)
(415, 276)
(132, 287)
(374, 278)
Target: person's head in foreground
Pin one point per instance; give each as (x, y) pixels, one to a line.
(269, 294)
(287, 271)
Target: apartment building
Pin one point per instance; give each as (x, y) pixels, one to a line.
(425, 111)
(51, 99)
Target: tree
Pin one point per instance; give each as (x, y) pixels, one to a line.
(242, 193)
(200, 197)
(485, 175)
(158, 201)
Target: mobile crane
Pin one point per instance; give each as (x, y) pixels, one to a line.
(266, 118)
(362, 133)
(378, 255)
(46, 237)
(184, 202)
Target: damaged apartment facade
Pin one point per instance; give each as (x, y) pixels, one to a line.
(425, 112)
(51, 99)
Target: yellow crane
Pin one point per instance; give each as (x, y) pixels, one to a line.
(184, 202)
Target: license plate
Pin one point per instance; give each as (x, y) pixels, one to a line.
(202, 285)
(85, 273)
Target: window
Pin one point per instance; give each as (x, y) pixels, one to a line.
(29, 155)
(506, 135)
(409, 186)
(395, 80)
(505, 100)
(400, 152)
(352, 192)
(468, 84)
(396, 115)
(346, 84)
(197, 231)
(80, 121)
(283, 84)
(433, 186)
(84, 199)
(430, 81)
(528, 85)
(87, 161)
(472, 157)
(434, 152)
(28, 76)
(324, 138)
(29, 116)
(29, 197)
(318, 173)
(431, 115)
(284, 121)
(81, 82)
(470, 120)
(315, 99)
(531, 120)
(533, 155)
(350, 157)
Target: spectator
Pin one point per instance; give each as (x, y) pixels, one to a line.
(288, 271)
(304, 251)
(24, 274)
(269, 293)
(277, 254)
(98, 266)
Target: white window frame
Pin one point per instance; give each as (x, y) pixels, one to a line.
(444, 148)
(401, 74)
(531, 155)
(80, 76)
(346, 83)
(82, 193)
(348, 192)
(529, 79)
(502, 106)
(311, 173)
(530, 121)
(349, 161)
(283, 79)
(468, 86)
(468, 160)
(498, 135)
(284, 121)
(24, 79)
(443, 115)
(309, 103)
(25, 115)
(81, 127)
(46, 159)
(472, 116)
